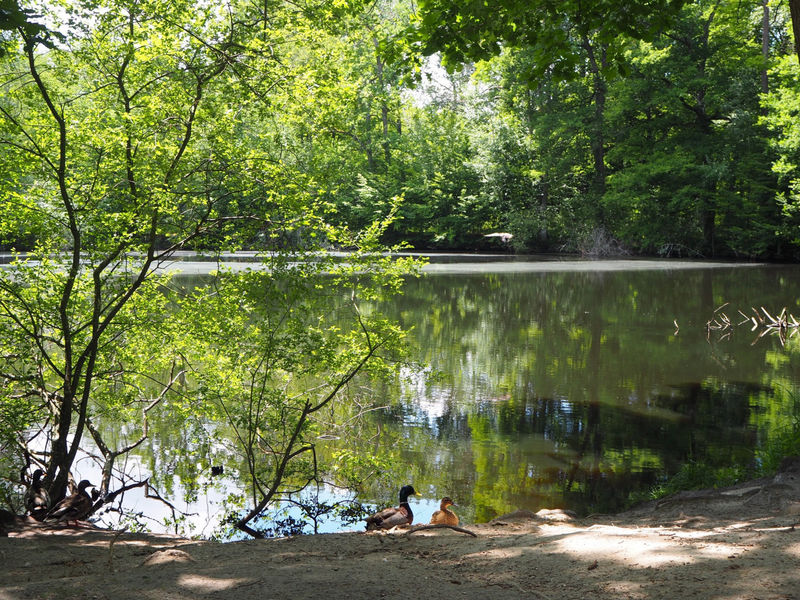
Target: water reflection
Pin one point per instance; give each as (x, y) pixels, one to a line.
(571, 387)
(568, 384)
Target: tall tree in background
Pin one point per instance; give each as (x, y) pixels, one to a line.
(794, 8)
(728, 205)
(536, 159)
(564, 40)
(690, 162)
(470, 31)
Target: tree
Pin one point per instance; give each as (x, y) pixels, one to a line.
(693, 172)
(122, 146)
(271, 354)
(13, 17)
(569, 76)
(794, 8)
(782, 110)
(564, 41)
(537, 155)
(109, 169)
(471, 31)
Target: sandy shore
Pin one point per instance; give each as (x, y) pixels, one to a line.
(738, 543)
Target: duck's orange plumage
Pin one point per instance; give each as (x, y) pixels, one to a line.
(445, 516)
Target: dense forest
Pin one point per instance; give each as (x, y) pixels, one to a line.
(671, 136)
(132, 130)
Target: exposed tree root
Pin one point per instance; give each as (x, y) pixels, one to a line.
(440, 526)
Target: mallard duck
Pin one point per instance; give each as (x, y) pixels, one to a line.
(391, 517)
(37, 500)
(445, 516)
(75, 507)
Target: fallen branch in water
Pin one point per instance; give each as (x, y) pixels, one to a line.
(440, 526)
(785, 324)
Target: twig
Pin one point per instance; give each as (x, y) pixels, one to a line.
(111, 546)
(719, 308)
(440, 526)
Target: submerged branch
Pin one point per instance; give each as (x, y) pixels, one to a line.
(785, 325)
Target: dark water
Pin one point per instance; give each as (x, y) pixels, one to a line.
(577, 384)
(573, 384)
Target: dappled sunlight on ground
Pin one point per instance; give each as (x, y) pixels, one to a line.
(794, 550)
(204, 584)
(625, 546)
(628, 589)
(520, 555)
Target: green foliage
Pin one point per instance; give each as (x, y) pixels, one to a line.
(644, 131)
(782, 426)
(271, 351)
(696, 476)
(145, 128)
(534, 157)
(692, 176)
(783, 106)
(15, 17)
(139, 135)
(470, 31)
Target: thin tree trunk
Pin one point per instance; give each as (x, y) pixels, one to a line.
(794, 8)
(384, 107)
(368, 144)
(765, 45)
(597, 142)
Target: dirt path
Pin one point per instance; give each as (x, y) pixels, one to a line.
(738, 543)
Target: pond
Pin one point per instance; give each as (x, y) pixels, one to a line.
(551, 383)
(579, 384)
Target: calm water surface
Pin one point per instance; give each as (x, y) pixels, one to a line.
(574, 384)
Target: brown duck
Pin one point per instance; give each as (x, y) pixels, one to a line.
(37, 500)
(392, 517)
(75, 507)
(445, 516)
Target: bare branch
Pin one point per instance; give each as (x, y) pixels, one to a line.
(417, 528)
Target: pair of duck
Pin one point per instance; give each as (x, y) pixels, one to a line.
(75, 507)
(402, 515)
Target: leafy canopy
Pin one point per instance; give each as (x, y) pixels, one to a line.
(464, 30)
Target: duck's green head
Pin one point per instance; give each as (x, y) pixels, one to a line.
(406, 491)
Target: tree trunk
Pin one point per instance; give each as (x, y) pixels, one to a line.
(709, 227)
(794, 8)
(543, 211)
(368, 143)
(387, 155)
(597, 142)
(598, 137)
(765, 45)
(58, 466)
